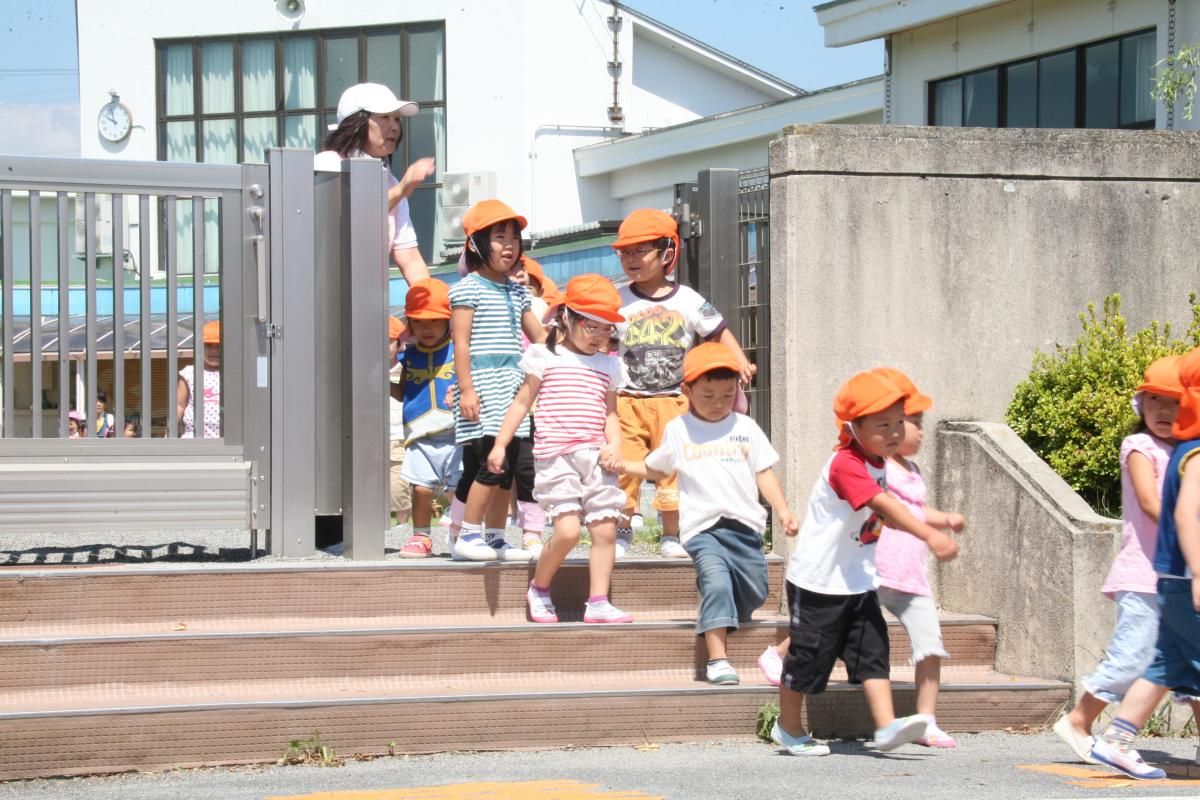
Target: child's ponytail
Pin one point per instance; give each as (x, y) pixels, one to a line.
(556, 328)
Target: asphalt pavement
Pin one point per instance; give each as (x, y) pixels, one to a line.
(989, 765)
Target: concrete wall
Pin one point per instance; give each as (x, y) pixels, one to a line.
(1034, 555)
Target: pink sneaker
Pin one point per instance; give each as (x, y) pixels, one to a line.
(771, 665)
(541, 610)
(936, 737)
(417, 547)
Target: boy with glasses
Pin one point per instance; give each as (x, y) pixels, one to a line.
(663, 321)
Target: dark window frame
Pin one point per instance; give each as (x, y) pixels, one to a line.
(1079, 52)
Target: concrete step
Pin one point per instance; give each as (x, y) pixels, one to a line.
(460, 653)
(113, 729)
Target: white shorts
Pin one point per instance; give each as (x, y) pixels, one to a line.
(433, 462)
(575, 481)
(919, 616)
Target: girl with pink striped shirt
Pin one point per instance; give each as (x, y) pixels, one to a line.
(577, 441)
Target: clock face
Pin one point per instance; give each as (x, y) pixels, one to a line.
(114, 121)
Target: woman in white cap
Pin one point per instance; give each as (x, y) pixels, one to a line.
(368, 124)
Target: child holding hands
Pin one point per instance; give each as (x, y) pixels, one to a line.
(723, 460)
(577, 442)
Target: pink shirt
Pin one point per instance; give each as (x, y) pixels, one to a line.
(1133, 569)
(901, 559)
(572, 401)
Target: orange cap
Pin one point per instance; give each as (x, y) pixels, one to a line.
(706, 357)
(1187, 421)
(428, 298)
(534, 270)
(648, 225)
(395, 328)
(551, 294)
(1162, 377)
(212, 332)
(486, 213)
(594, 297)
(865, 393)
(916, 402)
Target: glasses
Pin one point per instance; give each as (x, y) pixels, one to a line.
(592, 329)
(636, 254)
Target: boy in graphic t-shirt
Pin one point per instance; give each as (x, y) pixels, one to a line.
(831, 576)
(723, 460)
(663, 319)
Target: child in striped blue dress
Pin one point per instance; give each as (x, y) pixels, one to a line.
(488, 312)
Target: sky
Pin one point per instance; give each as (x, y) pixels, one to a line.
(39, 86)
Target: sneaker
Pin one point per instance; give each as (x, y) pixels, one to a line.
(506, 552)
(771, 665)
(936, 737)
(605, 613)
(900, 731)
(721, 672)
(473, 548)
(1080, 745)
(671, 548)
(1126, 760)
(540, 608)
(335, 549)
(417, 547)
(532, 544)
(624, 541)
(636, 521)
(797, 745)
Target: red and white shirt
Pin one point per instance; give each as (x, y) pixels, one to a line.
(572, 402)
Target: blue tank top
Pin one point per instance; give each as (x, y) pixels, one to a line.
(428, 374)
(1168, 557)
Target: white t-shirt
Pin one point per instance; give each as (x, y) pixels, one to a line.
(835, 548)
(656, 335)
(572, 401)
(718, 464)
(401, 233)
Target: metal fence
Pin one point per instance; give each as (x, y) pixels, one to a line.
(754, 284)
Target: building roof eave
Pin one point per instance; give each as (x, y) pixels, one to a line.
(853, 21)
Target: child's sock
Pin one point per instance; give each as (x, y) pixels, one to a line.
(423, 531)
(495, 537)
(1120, 733)
(457, 509)
(472, 532)
(542, 590)
(598, 600)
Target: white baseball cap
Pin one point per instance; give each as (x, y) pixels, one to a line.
(373, 97)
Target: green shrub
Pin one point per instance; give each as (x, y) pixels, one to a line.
(1074, 408)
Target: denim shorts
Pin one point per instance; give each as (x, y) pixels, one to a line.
(731, 573)
(1176, 662)
(1130, 650)
(434, 462)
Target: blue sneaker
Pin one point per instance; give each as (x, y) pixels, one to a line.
(797, 745)
(1126, 760)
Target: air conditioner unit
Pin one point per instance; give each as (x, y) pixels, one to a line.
(460, 191)
(104, 226)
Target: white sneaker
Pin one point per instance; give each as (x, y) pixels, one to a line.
(1127, 760)
(671, 548)
(541, 609)
(624, 542)
(797, 745)
(472, 548)
(636, 521)
(532, 543)
(604, 614)
(901, 731)
(506, 552)
(721, 672)
(1080, 745)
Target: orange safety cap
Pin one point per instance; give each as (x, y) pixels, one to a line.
(706, 357)
(486, 213)
(428, 298)
(864, 393)
(534, 270)
(395, 328)
(1187, 421)
(212, 332)
(551, 294)
(1162, 377)
(593, 296)
(648, 225)
(916, 402)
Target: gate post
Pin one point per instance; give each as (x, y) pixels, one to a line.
(292, 334)
(714, 204)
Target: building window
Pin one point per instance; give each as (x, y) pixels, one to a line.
(227, 100)
(1099, 85)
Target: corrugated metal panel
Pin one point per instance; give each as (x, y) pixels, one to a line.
(64, 487)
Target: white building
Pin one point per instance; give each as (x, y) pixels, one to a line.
(1020, 63)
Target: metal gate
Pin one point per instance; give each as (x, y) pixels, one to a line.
(113, 268)
(724, 221)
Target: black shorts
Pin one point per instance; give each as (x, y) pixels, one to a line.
(826, 627)
(519, 453)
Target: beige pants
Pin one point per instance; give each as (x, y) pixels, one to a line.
(401, 491)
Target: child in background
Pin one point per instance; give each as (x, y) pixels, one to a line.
(105, 422)
(1176, 663)
(1131, 582)
(576, 439)
(723, 460)
(663, 319)
(835, 611)
(76, 425)
(185, 406)
(488, 314)
(432, 461)
(400, 491)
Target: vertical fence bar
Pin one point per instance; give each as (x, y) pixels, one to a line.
(35, 314)
(235, 322)
(198, 316)
(89, 265)
(252, 296)
(172, 319)
(8, 419)
(145, 350)
(118, 337)
(64, 313)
